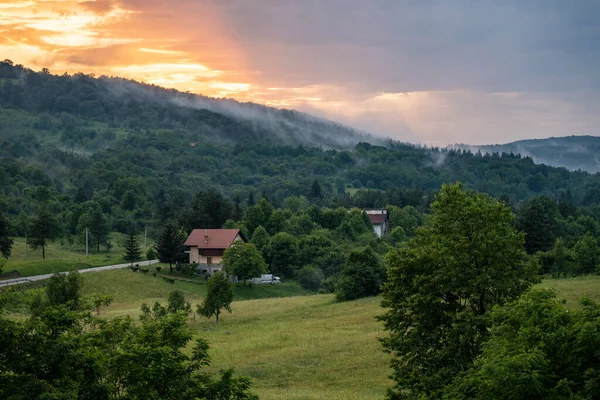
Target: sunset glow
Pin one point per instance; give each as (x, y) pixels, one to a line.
(423, 74)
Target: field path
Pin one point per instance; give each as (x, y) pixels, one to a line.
(24, 279)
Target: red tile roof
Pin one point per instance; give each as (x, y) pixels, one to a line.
(212, 238)
(377, 218)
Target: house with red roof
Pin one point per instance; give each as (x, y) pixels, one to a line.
(206, 247)
(379, 220)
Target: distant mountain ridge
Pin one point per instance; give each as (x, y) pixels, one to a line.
(572, 152)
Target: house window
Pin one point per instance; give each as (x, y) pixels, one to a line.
(209, 260)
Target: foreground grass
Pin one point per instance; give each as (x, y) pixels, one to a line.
(60, 258)
(306, 347)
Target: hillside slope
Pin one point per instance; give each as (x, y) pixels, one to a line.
(572, 152)
(142, 153)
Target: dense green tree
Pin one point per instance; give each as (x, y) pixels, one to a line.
(537, 349)
(64, 352)
(44, 228)
(132, 248)
(260, 238)
(316, 193)
(587, 255)
(253, 218)
(537, 217)
(442, 285)
(310, 277)
(170, 245)
(65, 288)
(362, 276)
(6, 242)
(276, 222)
(208, 209)
(243, 259)
(559, 261)
(219, 295)
(282, 254)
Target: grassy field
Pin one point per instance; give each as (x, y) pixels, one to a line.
(573, 289)
(131, 289)
(294, 347)
(60, 258)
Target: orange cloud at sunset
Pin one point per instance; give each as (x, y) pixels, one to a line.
(109, 38)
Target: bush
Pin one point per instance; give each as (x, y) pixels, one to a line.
(310, 277)
(158, 269)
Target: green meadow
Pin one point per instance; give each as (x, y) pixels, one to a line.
(292, 344)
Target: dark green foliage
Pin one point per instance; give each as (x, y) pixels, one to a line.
(177, 302)
(219, 295)
(209, 209)
(243, 260)
(64, 289)
(260, 238)
(442, 285)
(44, 228)
(537, 349)
(316, 193)
(310, 277)
(282, 254)
(6, 242)
(170, 245)
(537, 218)
(362, 276)
(132, 248)
(67, 353)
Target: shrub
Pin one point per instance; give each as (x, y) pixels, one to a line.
(310, 277)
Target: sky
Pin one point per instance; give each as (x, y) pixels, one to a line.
(424, 71)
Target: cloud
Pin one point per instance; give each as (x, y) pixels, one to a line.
(433, 71)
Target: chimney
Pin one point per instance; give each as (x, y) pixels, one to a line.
(205, 236)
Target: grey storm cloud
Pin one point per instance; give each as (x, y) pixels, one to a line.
(398, 46)
(476, 71)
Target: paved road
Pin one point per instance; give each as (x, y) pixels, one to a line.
(24, 279)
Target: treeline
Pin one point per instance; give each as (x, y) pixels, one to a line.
(79, 142)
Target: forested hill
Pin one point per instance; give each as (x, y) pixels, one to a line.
(128, 104)
(142, 153)
(572, 152)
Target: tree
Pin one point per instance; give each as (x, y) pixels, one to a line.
(282, 254)
(219, 294)
(44, 229)
(316, 193)
(65, 288)
(587, 255)
(6, 242)
(243, 259)
(537, 218)
(362, 276)
(310, 277)
(150, 254)
(442, 285)
(537, 349)
(54, 354)
(260, 238)
(170, 245)
(208, 209)
(132, 247)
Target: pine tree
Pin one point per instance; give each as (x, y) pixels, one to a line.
(132, 247)
(170, 245)
(44, 229)
(315, 191)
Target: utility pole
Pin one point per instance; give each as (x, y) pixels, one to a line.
(86, 242)
(145, 236)
(26, 246)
